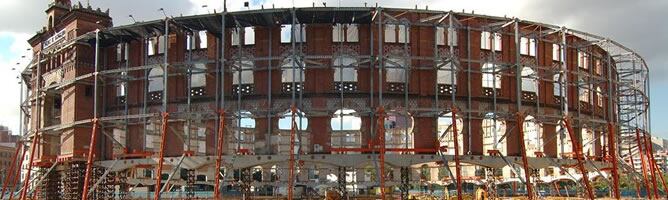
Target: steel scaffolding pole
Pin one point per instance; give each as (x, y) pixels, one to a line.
(577, 149)
(458, 170)
(650, 160)
(11, 169)
(381, 144)
(14, 185)
(612, 149)
(525, 162)
(30, 165)
(291, 162)
(158, 174)
(93, 136)
(89, 162)
(219, 154)
(642, 163)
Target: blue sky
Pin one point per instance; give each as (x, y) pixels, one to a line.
(637, 25)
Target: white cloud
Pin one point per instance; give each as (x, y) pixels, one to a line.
(9, 111)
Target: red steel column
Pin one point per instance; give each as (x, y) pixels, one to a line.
(381, 143)
(219, 154)
(651, 164)
(634, 168)
(612, 150)
(577, 149)
(158, 179)
(642, 162)
(10, 170)
(525, 162)
(89, 162)
(291, 162)
(458, 170)
(12, 188)
(32, 157)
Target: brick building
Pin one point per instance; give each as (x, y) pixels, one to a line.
(437, 81)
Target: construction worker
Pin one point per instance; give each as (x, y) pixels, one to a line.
(481, 193)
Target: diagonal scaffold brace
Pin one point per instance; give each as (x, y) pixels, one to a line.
(89, 160)
(458, 170)
(612, 145)
(381, 148)
(523, 152)
(26, 182)
(11, 169)
(579, 156)
(219, 154)
(291, 163)
(643, 163)
(161, 158)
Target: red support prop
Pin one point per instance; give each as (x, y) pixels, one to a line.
(30, 164)
(658, 169)
(458, 170)
(12, 188)
(89, 162)
(291, 163)
(381, 143)
(633, 165)
(612, 145)
(219, 153)
(650, 159)
(158, 179)
(525, 161)
(577, 149)
(643, 163)
(10, 170)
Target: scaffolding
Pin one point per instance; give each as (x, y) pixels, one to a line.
(624, 115)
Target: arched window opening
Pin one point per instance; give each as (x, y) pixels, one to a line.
(155, 84)
(198, 80)
(122, 88)
(396, 73)
(529, 84)
(346, 125)
(292, 73)
(446, 136)
(491, 78)
(242, 78)
(557, 90)
(584, 94)
(588, 140)
(345, 73)
(285, 122)
(285, 126)
(346, 120)
(533, 137)
(52, 109)
(489, 39)
(493, 130)
(599, 97)
(446, 78)
(398, 129)
(244, 134)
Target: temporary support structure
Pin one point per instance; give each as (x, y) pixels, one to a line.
(525, 162)
(291, 162)
(161, 157)
(89, 162)
(458, 170)
(219, 154)
(579, 156)
(612, 150)
(11, 169)
(643, 163)
(381, 146)
(26, 181)
(650, 160)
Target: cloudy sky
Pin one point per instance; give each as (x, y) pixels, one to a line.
(637, 24)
